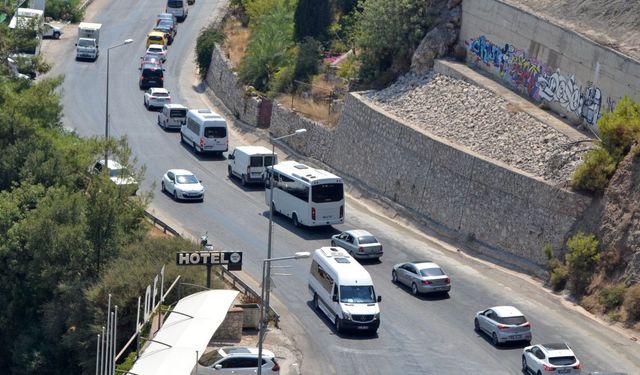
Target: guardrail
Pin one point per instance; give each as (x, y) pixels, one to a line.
(226, 274)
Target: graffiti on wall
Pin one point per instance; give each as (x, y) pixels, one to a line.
(539, 82)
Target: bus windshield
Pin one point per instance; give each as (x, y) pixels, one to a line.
(357, 294)
(327, 193)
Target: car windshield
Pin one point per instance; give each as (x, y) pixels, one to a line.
(174, 4)
(367, 240)
(166, 24)
(187, 179)
(513, 320)
(357, 294)
(85, 43)
(210, 358)
(160, 94)
(431, 272)
(327, 193)
(562, 361)
(121, 172)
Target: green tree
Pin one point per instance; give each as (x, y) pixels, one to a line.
(595, 171)
(581, 259)
(312, 18)
(205, 44)
(620, 129)
(308, 59)
(387, 33)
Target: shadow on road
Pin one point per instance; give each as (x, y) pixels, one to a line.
(513, 345)
(353, 335)
(203, 156)
(307, 233)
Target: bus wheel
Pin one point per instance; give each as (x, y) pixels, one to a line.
(296, 223)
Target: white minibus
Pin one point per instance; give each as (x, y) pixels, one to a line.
(178, 8)
(343, 290)
(309, 196)
(205, 131)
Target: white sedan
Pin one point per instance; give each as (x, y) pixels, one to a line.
(159, 50)
(182, 184)
(156, 97)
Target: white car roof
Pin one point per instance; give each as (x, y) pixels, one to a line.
(359, 233)
(112, 164)
(506, 311)
(180, 172)
(243, 350)
(155, 46)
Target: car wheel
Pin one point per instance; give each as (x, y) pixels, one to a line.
(338, 325)
(394, 276)
(244, 180)
(175, 195)
(296, 223)
(494, 339)
(146, 104)
(539, 373)
(315, 302)
(229, 172)
(273, 209)
(414, 289)
(56, 35)
(333, 243)
(525, 368)
(195, 148)
(162, 188)
(182, 138)
(476, 325)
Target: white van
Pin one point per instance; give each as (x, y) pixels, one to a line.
(205, 131)
(172, 116)
(249, 163)
(178, 8)
(343, 290)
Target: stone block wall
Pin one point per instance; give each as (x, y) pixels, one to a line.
(231, 327)
(575, 76)
(224, 83)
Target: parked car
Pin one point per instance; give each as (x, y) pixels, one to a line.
(167, 16)
(151, 75)
(172, 116)
(166, 29)
(156, 97)
(237, 361)
(358, 243)
(150, 59)
(156, 37)
(421, 277)
(50, 31)
(545, 358)
(182, 184)
(158, 49)
(503, 324)
(118, 174)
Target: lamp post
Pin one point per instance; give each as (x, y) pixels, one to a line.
(266, 265)
(269, 238)
(106, 110)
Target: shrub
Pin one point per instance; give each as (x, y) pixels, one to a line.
(632, 303)
(204, 48)
(595, 171)
(65, 10)
(559, 275)
(581, 261)
(620, 129)
(283, 80)
(308, 58)
(612, 297)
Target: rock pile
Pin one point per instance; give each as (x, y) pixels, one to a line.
(483, 122)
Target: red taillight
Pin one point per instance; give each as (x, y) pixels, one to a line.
(502, 326)
(448, 280)
(527, 324)
(361, 249)
(313, 213)
(276, 366)
(548, 368)
(578, 366)
(162, 78)
(341, 211)
(426, 282)
(201, 142)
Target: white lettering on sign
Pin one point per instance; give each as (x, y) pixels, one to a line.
(155, 290)
(147, 303)
(194, 258)
(183, 258)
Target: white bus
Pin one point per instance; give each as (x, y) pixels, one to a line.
(309, 196)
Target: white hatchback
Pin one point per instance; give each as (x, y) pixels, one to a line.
(156, 97)
(236, 360)
(159, 50)
(550, 358)
(182, 184)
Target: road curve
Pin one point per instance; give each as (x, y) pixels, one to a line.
(417, 335)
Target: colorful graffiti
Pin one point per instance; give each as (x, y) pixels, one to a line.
(541, 83)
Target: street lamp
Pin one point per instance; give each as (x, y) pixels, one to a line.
(106, 110)
(273, 159)
(265, 292)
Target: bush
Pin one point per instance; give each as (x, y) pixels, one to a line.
(65, 10)
(559, 275)
(283, 80)
(620, 129)
(632, 303)
(308, 57)
(612, 297)
(204, 48)
(581, 261)
(595, 171)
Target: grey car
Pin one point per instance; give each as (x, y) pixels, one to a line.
(358, 243)
(421, 277)
(502, 324)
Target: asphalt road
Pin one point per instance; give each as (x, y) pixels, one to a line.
(417, 335)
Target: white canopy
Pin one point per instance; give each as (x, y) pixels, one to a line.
(184, 334)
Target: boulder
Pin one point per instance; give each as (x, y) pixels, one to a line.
(434, 45)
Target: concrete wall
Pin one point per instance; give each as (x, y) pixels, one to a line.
(231, 327)
(224, 83)
(575, 76)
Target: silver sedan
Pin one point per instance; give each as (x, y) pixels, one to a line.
(358, 243)
(421, 277)
(502, 324)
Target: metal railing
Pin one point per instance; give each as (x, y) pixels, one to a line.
(234, 280)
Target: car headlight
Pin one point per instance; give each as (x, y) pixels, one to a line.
(376, 316)
(346, 315)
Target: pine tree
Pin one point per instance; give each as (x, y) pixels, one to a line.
(312, 18)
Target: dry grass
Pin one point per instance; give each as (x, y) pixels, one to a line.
(237, 39)
(317, 111)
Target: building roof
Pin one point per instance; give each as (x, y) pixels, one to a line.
(184, 333)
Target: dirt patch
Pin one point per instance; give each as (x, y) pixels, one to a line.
(613, 23)
(237, 39)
